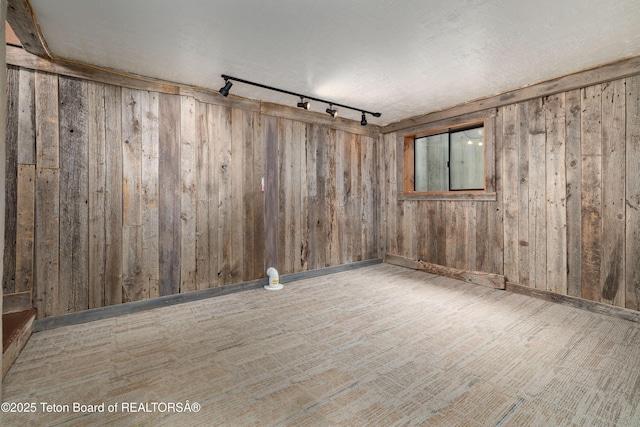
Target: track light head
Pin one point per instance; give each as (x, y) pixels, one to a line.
(224, 91)
(304, 104)
(333, 113)
(363, 122)
(376, 114)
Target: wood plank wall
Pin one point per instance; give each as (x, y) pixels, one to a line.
(117, 194)
(568, 183)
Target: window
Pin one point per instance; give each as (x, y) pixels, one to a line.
(450, 161)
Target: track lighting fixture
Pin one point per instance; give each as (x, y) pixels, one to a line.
(304, 104)
(224, 91)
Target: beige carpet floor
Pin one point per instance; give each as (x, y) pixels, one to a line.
(377, 346)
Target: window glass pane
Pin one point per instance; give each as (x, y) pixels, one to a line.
(431, 157)
(467, 159)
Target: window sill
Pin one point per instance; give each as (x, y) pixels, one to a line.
(479, 196)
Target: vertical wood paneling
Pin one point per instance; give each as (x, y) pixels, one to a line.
(169, 207)
(307, 191)
(632, 243)
(430, 232)
(188, 194)
(348, 221)
(172, 193)
(312, 195)
(510, 193)
(298, 215)
(74, 196)
(451, 231)
(556, 195)
(97, 193)
(10, 179)
(613, 193)
(461, 238)
(390, 163)
(163, 193)
(47, 232)
(251, 186)
(523, 192)
(259, 162)
(441, 233)
(27, 118)
(203, 192)
(369, 207)
(213, 117)
(481, 232)
(422, 232)
(378, 200)
(354, 209)
(401, 232)
(133, 285)
(495, 233)
(25, 228)
(47, 143)
(271, 191)
(558, 223)
(236, 158)
(322, 171)
(150, 193)
(574, 193)
(113, 201)
(470, 232)
(225, 218)
(333, 253)
(591, 145)
(284, 214)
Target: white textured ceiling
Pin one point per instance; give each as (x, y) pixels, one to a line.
(402, 58)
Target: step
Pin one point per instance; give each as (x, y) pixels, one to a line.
(16, 330)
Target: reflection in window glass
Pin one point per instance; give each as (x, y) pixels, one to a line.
(431, 156)
(467, 159)
(450, 161)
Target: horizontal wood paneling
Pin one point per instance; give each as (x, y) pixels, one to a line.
(128, 194)
(565, 220)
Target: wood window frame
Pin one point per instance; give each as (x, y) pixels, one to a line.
(406, 162)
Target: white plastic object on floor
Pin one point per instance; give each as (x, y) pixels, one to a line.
(274, 280)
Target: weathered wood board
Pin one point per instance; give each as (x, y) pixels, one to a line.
(169, 206)
(490, 280)
(74, 196)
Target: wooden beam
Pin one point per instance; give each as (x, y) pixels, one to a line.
(603, 73)
(596, 307)
(490, 280)
(21, 58)
(478, 196)
(24, 25)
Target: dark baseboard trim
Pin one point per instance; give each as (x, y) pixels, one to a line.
(593, 306)
(136, 306)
